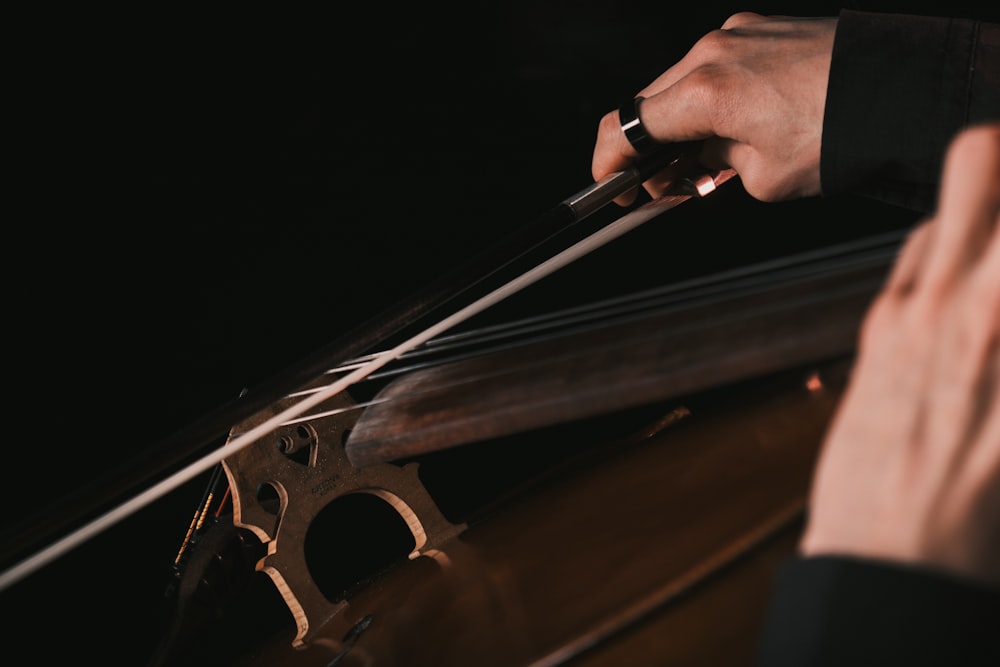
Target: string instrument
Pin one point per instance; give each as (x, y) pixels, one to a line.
(608, 483)
(659, 483)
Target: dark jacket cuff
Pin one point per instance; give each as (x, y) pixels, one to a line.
(844, 611)
(900, 88)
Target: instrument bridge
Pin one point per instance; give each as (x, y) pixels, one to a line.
(283, 482)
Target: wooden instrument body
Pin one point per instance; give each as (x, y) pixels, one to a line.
(586, 502)
(652, 543)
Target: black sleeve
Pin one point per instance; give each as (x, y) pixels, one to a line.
(900, 87)
(844, 611)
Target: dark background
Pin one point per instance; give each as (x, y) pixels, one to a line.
(200, 200)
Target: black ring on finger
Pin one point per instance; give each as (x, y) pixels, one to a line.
(635, 131)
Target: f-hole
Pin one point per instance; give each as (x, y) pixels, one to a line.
(353, 539)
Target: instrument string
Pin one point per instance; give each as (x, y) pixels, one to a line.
(682, 330)
(692, 292)
(657, 302)
(810, 261)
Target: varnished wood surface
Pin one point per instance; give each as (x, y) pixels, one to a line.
(601, 554)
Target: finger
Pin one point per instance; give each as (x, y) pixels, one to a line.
(706, 49)
(988, 274)
(967, 205)
(991, 258)
(974, 363)
(716, 154)
(989, 266)
(884, 312)
(696, 76)
(742, 19)
(612, 152)
(692, 109)
(983, 461)
(676, 107)
(910, 260)
(666, 180)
